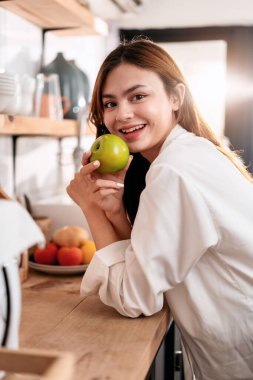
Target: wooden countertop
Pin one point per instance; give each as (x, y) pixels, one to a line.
(106, 345)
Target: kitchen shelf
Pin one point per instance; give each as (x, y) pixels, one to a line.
(34, 126)
(67, 17)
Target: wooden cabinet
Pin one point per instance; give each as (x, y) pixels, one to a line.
(66, 17)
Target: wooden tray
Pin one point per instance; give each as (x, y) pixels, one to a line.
(48, 365)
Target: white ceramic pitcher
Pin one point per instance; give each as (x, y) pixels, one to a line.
(18, 231)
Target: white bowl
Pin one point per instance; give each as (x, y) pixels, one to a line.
(7, 92)
(7, 76)
(7, 89)
(3, 83)
(13, 106)
(7, 81)
(7, 85)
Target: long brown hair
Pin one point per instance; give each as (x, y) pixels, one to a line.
(144, 53)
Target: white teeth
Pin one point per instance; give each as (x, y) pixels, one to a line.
(133, 129)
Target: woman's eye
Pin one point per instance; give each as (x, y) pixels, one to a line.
(109, 105)
(138, 97)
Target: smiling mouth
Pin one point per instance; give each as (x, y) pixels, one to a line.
(131, 130)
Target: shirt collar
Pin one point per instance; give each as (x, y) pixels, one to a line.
(174, 134)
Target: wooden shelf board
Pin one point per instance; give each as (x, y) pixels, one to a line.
(55, 14)
(22, 125)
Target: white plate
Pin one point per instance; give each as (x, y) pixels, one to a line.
(58, 269)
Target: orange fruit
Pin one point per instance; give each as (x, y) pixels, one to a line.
(88, 249)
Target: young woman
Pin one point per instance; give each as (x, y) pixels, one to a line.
(181, 227)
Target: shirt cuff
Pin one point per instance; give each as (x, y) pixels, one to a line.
(98, 269)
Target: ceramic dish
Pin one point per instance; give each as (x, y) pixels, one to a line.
(58, 269)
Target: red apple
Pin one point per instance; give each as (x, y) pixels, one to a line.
(69, 256)
(47, 255)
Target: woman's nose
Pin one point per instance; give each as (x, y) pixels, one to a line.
(124, 112)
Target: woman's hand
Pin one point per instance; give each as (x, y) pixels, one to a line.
(100, 198)
(81, 188)
(89, 188)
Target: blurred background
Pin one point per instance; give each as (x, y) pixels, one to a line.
(211, 41)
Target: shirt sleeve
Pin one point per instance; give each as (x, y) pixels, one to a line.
(172, 230)
(18, 231)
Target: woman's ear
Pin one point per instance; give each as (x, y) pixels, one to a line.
(177, 97)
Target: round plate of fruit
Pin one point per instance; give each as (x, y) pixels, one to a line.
(69, 252)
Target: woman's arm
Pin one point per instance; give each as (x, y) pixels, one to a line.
(120, 222)
(111, 201)
(100, 199)
(173, 229)
(102, 231)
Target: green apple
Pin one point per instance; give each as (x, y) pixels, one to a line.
(111, 151)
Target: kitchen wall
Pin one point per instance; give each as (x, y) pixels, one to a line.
(52, 164)
(21, 47)
(20, 44)
(203, 64)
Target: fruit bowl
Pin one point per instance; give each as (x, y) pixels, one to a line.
(58, 269)
(69, 252)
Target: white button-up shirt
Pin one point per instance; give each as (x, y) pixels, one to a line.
(192, 241)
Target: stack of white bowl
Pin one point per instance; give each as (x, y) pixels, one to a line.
(7, 90)
(16, 94)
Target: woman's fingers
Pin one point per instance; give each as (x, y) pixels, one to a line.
(105, 192)
(128, 164)
(122, 173)
(86, 157)
(103, 183)
(89, 167)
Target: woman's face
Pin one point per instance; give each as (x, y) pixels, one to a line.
(137, 108)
